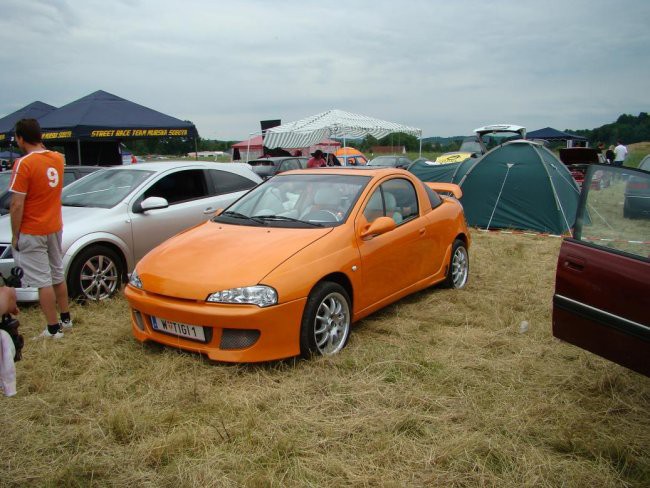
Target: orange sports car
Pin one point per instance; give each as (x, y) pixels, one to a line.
(287, 268)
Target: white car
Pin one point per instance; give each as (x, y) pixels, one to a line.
(114, 216)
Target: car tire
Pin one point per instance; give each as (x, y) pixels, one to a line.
(458, 271)
(95, 274)
(326, 321)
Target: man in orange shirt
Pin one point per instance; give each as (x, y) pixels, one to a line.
(37, 225)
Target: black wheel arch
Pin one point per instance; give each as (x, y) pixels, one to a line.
(113, 247)
(342, 280)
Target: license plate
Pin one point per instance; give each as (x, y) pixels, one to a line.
(176, 328)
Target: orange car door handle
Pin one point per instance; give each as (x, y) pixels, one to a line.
(423, 231)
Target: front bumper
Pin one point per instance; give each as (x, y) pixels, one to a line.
(278, 326)
(6, 264)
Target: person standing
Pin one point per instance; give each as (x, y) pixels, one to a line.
(620, 153)
(37, 224)
(317, 160)
(609, 155)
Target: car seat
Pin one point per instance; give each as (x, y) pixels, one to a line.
(326, 199)
(270, 203)
(391, 207)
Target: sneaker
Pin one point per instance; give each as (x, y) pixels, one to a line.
(46, 334)
(66, 324)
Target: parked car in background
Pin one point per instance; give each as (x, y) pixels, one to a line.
(636, 202)
(578, 159)
(391, 161)
(5, 179)
(70, 174)
(485, 139)
(115, 215)
(469, 148)
(267, 167)
(349, 156)
(602, 281)
(289, 267)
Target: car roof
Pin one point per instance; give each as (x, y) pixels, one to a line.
(82, 167)
(241, 169)
(278, 158)
(165, 165)
(349, 170)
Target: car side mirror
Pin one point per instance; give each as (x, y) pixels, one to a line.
(153, 203)
(379, 226)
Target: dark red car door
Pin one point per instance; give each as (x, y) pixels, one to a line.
(602, 288)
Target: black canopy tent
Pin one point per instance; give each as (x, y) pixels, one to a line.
(35, 110)
(94, 126)
(550, 134)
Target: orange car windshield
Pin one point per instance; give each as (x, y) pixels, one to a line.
(298, 201)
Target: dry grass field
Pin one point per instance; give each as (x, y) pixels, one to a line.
(440, 389)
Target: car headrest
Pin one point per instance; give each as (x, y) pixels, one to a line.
(391, 203)
(327, 196)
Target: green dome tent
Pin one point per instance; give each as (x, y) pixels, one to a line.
(518, 185)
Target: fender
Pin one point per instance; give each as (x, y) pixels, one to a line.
(97, 238)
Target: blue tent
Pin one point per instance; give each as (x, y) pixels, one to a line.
(102, 116)
(34, 110)
(550, 134)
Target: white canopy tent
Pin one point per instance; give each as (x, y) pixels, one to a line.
(333, 123)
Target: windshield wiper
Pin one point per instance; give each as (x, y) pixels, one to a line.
(237, 215)
(284, 218)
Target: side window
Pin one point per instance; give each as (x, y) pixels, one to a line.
(375, 207)
(226, 182)
(68, 178)
(401, 199)
(180, 186)
(614, 212)
(396, 199)
(434, 198)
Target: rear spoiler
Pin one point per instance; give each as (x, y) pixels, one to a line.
(450, 188)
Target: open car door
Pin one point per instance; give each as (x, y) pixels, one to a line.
(602, 287)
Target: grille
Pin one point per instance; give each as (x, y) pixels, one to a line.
(238, 338)
(138, 320)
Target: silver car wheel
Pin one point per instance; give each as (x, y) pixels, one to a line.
(459, 267)
(332, 324)
(99, 277)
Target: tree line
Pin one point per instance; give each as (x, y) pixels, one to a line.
(627, 128)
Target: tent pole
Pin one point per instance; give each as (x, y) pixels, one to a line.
(79, 151)
(196, 149)
(510, 165)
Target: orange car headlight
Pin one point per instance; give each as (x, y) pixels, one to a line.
(260, 295)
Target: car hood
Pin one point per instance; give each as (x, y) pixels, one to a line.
(215, 256)
(77, 221)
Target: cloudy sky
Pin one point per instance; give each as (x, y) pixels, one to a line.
(446, 67)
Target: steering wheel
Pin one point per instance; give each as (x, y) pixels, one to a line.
(321, 216)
